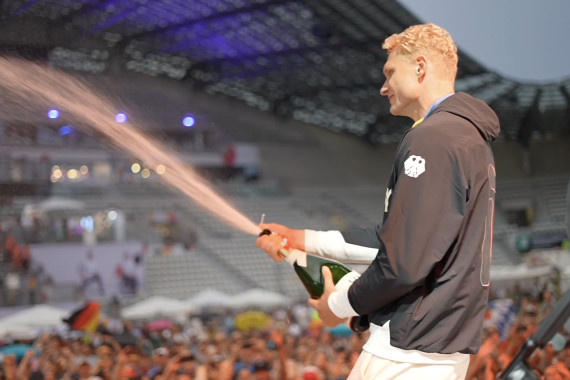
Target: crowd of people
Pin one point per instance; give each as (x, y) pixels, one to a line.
(295, 345)
(209, 346)
(502, 342)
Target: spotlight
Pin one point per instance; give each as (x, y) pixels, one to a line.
(88, 223)
(121, 117)
(112, 215)
(161, 169)
(56, 172)
(66, 130)
(188, 121)
(53, 114)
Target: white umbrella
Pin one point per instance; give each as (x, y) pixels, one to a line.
(157, 307)
(210, 297)
(259, 298)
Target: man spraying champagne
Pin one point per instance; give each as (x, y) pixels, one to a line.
(426, 287)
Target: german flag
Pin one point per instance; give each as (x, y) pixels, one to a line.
(85, 318)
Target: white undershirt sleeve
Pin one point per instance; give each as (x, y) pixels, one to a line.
(338, 300)
(331, 244)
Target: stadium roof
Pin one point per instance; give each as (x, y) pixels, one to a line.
(318, 61)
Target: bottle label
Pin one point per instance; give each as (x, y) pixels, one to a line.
(297, 256)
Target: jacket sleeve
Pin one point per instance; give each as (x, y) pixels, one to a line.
(422, 222)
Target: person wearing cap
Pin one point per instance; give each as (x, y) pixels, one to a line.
(261, 370)
(311, 373)
(183, 364)
(188, 363)
(82, 369)
(424, 292)
(160, 358)
(104, 366)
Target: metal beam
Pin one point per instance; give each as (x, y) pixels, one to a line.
(365, 15)
(217, 16)
(334, 17)
(283, 53)
(565, 93)
(2, 10)
(64, 20)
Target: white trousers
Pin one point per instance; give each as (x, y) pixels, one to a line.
(370, 367)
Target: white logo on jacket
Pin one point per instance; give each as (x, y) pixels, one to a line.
(414, 166)
(387, 199)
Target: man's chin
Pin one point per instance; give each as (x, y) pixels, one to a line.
(395, 111)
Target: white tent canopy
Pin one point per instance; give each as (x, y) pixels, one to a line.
(51, 204)
(210, 298)
(60, 203)
(157, 307)
(259, 298)
(32, 319)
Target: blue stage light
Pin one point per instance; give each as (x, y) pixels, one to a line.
(188, 121)
(66, 130)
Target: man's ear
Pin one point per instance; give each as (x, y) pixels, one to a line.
(421, 66)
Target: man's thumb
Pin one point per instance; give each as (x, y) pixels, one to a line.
(327, 275)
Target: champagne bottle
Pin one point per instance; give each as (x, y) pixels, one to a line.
(312, 277)
(309, 268)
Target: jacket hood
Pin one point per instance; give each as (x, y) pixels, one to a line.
(476, 111)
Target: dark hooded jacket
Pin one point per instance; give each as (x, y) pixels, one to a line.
(430, 278)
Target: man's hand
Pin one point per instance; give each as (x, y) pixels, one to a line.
(271, 244)
(282, 237)
(322, 304)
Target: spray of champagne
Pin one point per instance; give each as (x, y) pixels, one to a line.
(28, 89)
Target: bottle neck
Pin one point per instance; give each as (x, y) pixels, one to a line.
(294, 256)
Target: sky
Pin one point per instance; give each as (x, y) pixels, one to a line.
(523, 40)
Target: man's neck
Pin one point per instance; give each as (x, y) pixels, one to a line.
(428, 98)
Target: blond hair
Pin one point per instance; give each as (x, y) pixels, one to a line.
(426, 39)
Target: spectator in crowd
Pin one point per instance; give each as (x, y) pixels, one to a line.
(45, 284)
(243, 357)
(3, 292)
(89, 273)
(159, 361)
(127, 272)
(17, 231)
(230, 161)
(33, 287)
(13, 285)
(559, 368)
(548, 301)
(10, 243)
(21, 256)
